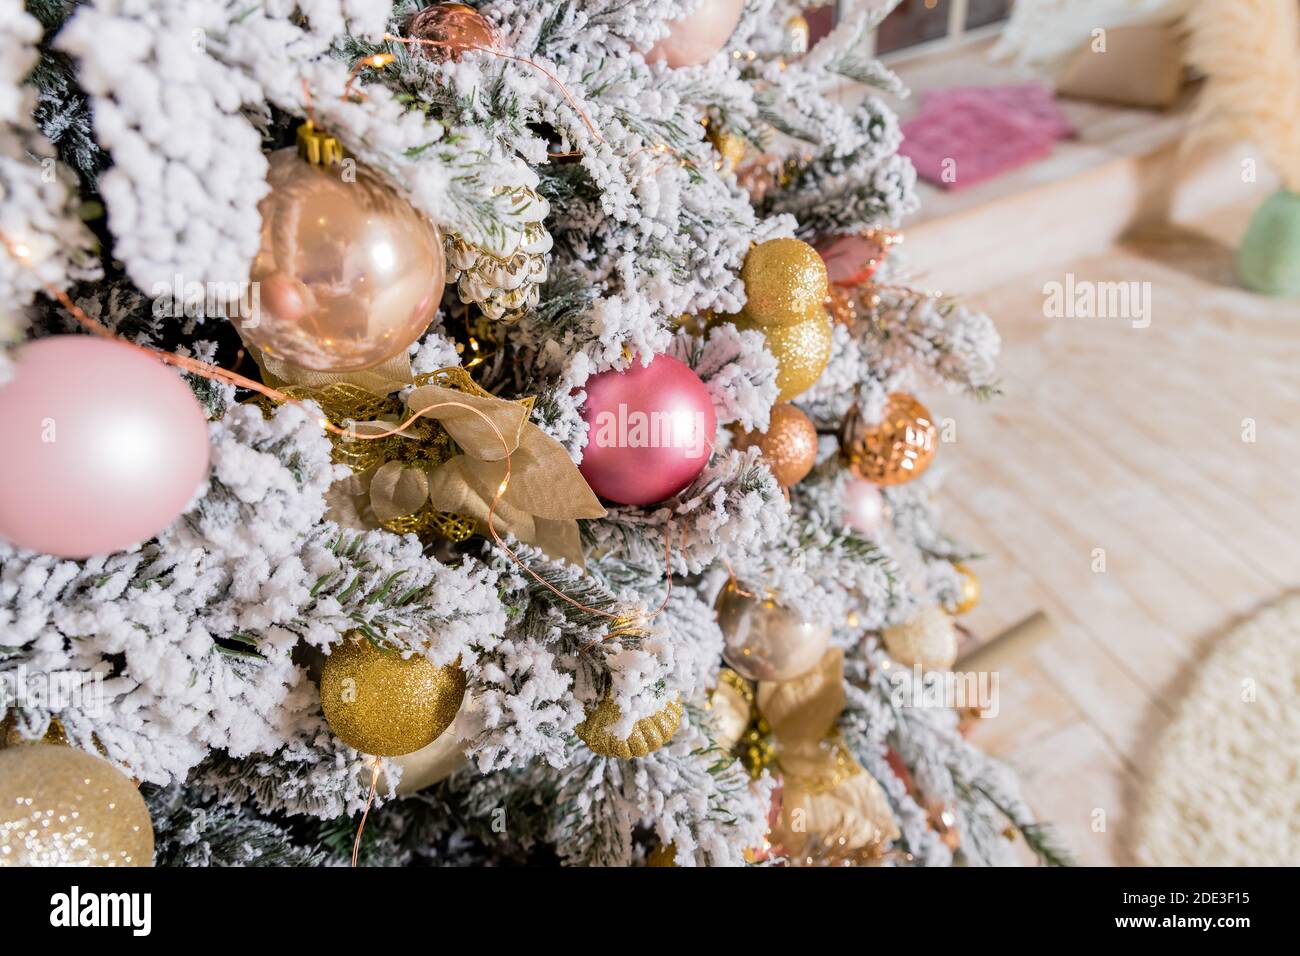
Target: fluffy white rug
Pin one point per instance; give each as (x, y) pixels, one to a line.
(1224, 787)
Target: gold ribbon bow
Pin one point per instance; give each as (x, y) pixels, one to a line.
(831, 809)
(442, 472)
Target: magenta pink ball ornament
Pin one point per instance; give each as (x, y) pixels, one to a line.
(864, 506)
(650, 431)
(101, 447)
(696, 37)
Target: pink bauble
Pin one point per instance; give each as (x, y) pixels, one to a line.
(102, 446)
(864, 505)
(694, 38)
(650, 431)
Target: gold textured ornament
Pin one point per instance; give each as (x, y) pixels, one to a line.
(731, 706)
(10, 736)
(765, 640)
(894, 450)
(504, 281)
(801, 351)
(785, 283)
(789, 446)
(731, 147)
(665, 854)
(381, 703)
(648, 733)
(64, 807)
(928, 640)
(968, 590)
(348, 274)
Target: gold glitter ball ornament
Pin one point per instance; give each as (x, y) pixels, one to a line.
(928, 641)
(789, 446)
(381, 703)
(894, 450)
(731, 147)
(801, 351)
(648, 734)
(968, 590)
(785, 282)
(65, 807)
(504, 281)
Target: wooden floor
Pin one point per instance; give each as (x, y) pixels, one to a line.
(1168, 452)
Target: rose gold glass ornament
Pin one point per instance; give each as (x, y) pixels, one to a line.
(696, 37)
(458, 26)
(764, 640)
(349, 273)
(894, 450)
(789, 446)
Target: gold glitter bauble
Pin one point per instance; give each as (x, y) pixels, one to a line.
(10, 737)
(348, 274)
(379, 702)
(968, 591)
(767, 641)
(648, 734)
(928, 641)
(65, 807)
(801, 351)
(785, 282)
(665, 854)
(896, 449)
(789, 446)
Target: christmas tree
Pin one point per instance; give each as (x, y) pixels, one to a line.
(541, 496)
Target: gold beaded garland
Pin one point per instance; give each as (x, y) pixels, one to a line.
(789, 446)
(64, 807)
(928, 641)
(785, 283)
(381, 703)
(896, 449)
(648, 734)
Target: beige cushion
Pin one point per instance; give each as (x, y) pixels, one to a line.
(1142, 66)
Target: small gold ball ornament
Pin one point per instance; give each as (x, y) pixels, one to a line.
(731, 147)
(665, 854)
(449, 30)
(764, 640)
(968, 590)
(789, 446)
(785, 283)
(801, 352)
(731, 705)
(64, 807)
(928, 641)
(894, 450)
(381, 703)
(648, 733)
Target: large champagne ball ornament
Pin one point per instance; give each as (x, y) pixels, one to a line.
(65, 807)
(349, 273)
(894, 450)
(789, 446)
(864, 505)
(101, 446)
(764, 640)
(785, 283)
(650, 431)
(381, 703)
(927, 641)
(696, 37)
(450, 29)
(801, 351)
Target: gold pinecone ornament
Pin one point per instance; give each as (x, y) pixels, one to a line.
(648, 733)
(504, 282)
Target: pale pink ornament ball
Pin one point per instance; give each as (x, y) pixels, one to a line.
(101, 447)
(696, 37)
(650, 431)
(864, 505)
